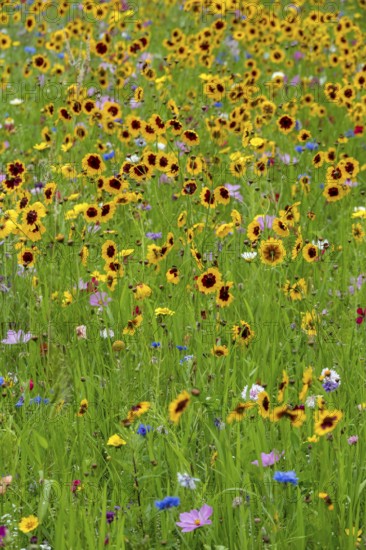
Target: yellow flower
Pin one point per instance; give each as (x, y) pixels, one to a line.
(83, 408)
(256, 142)
(326, 421)
(163, 311)
(142, 291)
(116, 441)
(41, 146)
(272, 252)
(28, 524)
(178, 406)
(313, 439)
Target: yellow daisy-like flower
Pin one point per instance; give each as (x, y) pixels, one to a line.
(220, 351)
(116, 441)
(178, 406)
(28, 524)
(326, 421)
(272, 252)
(142, 291)
(163, 311)
(210, 281)
(239, 412)
(41, 146)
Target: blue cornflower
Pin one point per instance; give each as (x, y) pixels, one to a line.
(299, 148)
(186, 358)
(30, 49)
(167, 502)
(38, 400)
(298, 125)
(286, 477)
(330, 385)
(218, 104)
(143, 429)
(2, 381)
(311, 146)
(20, 402)
(108, 156)
(349, 133)
(155, 345)
(181, 348)
(61, 55)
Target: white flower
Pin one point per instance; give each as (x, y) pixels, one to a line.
(187, 481)
(107, 333)
(310, 401)
(321, 244)
(248, 256)
(359, 208)
(161, 146)
(255, 390)
(16, 101)
(278, 73)
(244, 392)
(133, 158)
(330, 375)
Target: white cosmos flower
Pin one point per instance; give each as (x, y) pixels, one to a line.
(321, 244)
(248, 256)
(16, 101)
(278, 73)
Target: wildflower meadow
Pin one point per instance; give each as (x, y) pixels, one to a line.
(183, 274)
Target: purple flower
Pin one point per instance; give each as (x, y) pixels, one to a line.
(286, 159)
(19, 337)
(352, 440)
(110, 516)
(234, 191)
(269, 459)
(100, 299)
(3, 534)
(153, 236)
(189, 521)
(359, 282)
(265, 221)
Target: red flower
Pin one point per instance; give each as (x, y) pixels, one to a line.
(358, 130)
(31, 385)
(362, 315)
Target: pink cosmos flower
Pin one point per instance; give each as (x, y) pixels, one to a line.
(269, 459)
(234, 191)
(19, 337)
(100, 299)
(189, 521)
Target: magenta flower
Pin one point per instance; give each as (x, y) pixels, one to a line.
(362, 315)
(189, 521)
(19, 337)
(100, 299)
(269, 459)
(352, 440)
